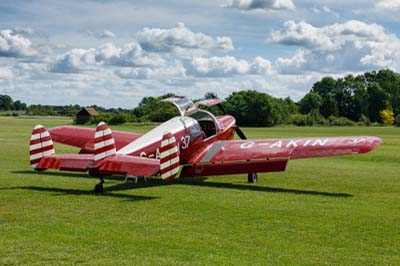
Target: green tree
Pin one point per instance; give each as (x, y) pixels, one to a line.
(19, 106)
(311, 101)
(6, 103)
(210, 95)
(378, 101)
(153, 109)
(326, 88)
(390, 83)
(252, 108)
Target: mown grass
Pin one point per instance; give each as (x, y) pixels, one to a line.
(329, 211)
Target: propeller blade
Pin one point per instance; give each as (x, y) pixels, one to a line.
(240, 133)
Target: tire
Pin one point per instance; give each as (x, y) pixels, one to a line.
(252, 178)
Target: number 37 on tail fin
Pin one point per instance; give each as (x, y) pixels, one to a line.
(196, 143)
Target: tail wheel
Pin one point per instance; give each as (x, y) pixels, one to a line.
(252, 178)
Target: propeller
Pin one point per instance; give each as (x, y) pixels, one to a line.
(240, 133)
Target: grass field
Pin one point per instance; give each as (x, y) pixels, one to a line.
(329, 211)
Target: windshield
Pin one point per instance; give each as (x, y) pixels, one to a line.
(206, 122)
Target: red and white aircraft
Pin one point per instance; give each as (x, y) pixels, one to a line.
(197, 143)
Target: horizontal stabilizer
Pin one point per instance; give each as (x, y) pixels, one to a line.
(130, 165)
(67, 162)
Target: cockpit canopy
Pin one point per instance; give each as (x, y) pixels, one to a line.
(187, 107)
(207, 121)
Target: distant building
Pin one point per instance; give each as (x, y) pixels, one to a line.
(85, 114)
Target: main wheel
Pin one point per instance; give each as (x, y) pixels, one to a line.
(252, 178)
(98, 188)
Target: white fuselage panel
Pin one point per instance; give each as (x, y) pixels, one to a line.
(174, 125)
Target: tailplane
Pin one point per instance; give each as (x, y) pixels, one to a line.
(41, 145)
(169, 158)
(104, 145)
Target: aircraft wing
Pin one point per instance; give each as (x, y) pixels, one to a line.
(267, 155)
(83, 137)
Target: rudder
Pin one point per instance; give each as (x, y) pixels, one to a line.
(104, 144)
(169, 158)
(40, 145)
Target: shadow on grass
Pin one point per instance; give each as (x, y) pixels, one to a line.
(154, 182)
(270, 189)
(198, 181)
(65, 174)
(79, 192)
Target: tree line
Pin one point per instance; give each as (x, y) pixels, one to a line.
(372, 97)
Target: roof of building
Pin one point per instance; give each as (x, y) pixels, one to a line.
(90, 110)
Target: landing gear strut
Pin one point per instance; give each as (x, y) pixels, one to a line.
(252, 178)
(99, 187)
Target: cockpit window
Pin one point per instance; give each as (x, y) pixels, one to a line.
(206, 123)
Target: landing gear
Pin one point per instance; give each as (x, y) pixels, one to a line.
(99, 187)
(252, 178)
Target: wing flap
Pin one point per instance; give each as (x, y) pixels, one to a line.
(234, 167)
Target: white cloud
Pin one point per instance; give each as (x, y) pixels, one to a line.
(349, 46)
(131, 54)
(218, 66)
(6, 73)
(393, 5)
(135, 73)
(261, 4)
(172, 71)
(180, 40)
(104, 34)
(74, 61)
(23, 30)
(107, 34)
(225, 43)
(228, 66)
(14, 45)
(261, 66)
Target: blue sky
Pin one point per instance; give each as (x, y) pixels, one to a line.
(114, 53)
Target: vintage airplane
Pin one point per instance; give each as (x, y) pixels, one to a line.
(196, 143)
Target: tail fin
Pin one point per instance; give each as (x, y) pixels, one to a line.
(41, 145)
(169, 159)
(104, 145)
